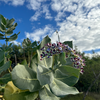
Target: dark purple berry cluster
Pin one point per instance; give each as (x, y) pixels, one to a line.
(51, 49)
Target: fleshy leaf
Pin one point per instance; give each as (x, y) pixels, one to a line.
(45, 94)
(10, 29)
(1, 35)
(5, 66)
(69, 62)
(24, 62)
(11, 92)
(60, 89)
(3, 20)
(67, 79)
(68, 70)
(62, 58)
(69, 43)
(44, 75)
(13, 37)
(1, 56)
(45, 41)
(9, 33)
(34, 61)
(5, 78)
(25, 78)
(10, 22)
(47, 62)
(26, 43)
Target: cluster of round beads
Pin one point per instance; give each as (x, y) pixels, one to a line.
(52, 49)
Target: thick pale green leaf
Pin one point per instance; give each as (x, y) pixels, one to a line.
(69, 62)
(2, 28)
(24, 62)
(44, 75)
(34, 62)
(45, 41)
(13, 37)
(1, 38)
(56, 61)
(2, 63)
(5, 66)
(9, 33)
(26, 43)
(60, 89)
(25, 78)
(9, 47)
(5, 78)
(62, 58)
(67, 79)
(10, 22)
(46, 62)
(10, 29)
(68, 70)
(45, 94)
(13, 93)
(21, 51)
(3, 20)
(1, 56)
(34, 44)
(1, 35)
(69, 43)
(31, 95)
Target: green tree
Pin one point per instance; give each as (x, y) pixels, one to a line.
(7, 27)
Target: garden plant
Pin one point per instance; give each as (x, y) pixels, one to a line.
(50, 73)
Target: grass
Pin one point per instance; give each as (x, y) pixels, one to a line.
(90, 96)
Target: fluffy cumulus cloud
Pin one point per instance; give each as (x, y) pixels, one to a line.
(34, 4)
(14, 2)
(40, 8)
(16, 43)
(78, 20)
(35, 16)
(47, 12)
(81, 25)
(39, 33)
(92, 55)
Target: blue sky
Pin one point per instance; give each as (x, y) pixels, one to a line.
(76, 20)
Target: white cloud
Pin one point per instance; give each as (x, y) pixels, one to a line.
(39, 13)
(91, 3)
(35, 16)
(16, 43)
(40, 9)
(60, 16)
(92, 55)
(46, 11)
(56, 5)
(35, 4)
(14, 2)
(38, 33)
(81, 26)
(78, 20)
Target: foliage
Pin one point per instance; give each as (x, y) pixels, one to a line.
(91, 70)
(13, 93)
(7, 27)
(51, 78)
(48, 71)
(4, 65)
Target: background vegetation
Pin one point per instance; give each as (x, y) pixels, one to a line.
(89, 81)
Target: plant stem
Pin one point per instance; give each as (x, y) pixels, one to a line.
(15, 60)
